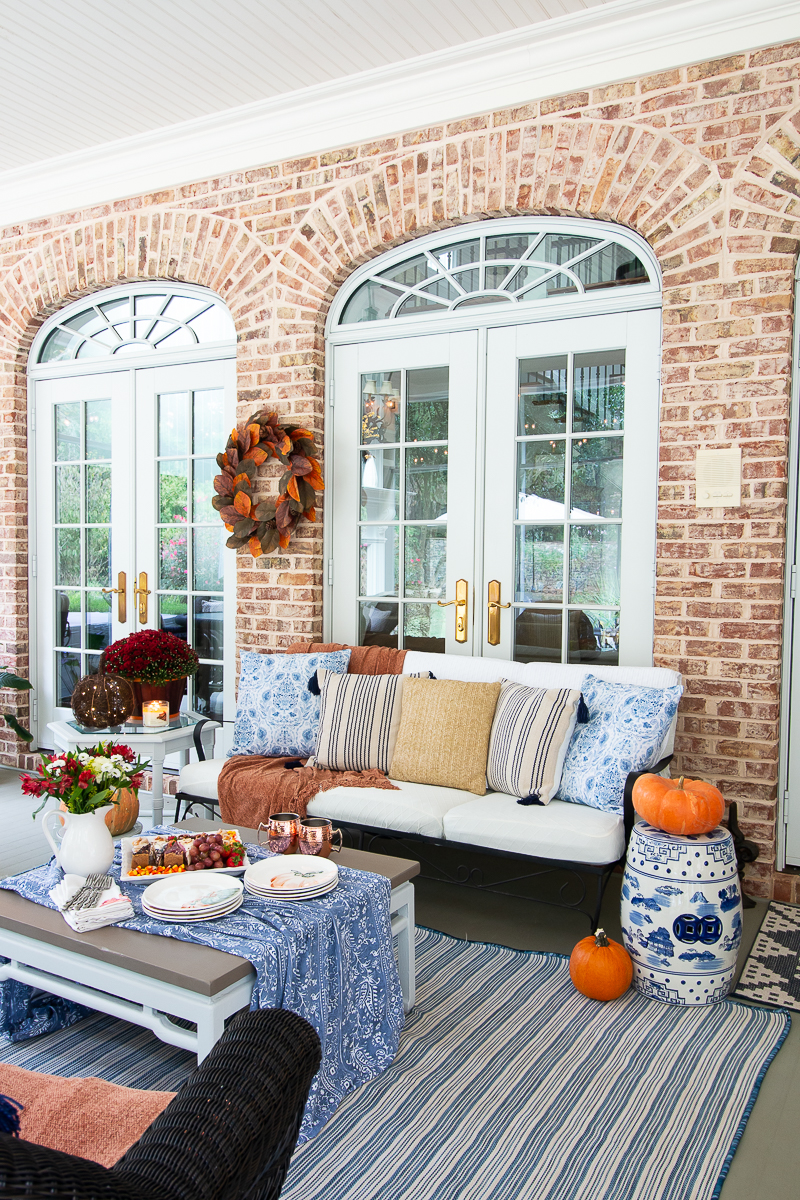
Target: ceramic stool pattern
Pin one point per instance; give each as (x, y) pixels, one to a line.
(681, 914)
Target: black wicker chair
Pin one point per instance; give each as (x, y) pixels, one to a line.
(228, 1134)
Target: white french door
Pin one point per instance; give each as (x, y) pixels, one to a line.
(404, 416)
(571, 488)
(126, 537)
(495, 456)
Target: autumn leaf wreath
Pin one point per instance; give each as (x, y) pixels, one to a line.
(265, 525)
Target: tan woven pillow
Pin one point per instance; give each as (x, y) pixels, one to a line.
(444, 733)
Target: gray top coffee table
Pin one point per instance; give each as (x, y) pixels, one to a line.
(146, 979)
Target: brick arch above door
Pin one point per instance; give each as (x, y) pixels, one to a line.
(157, 244)
(626, 173)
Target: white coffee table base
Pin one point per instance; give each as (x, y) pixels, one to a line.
(401, 911)
(128, 995)
(148, 1002)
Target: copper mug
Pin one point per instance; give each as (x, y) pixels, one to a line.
(281, 831)
(316, 836)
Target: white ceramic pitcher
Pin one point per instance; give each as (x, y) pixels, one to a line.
(85, 846)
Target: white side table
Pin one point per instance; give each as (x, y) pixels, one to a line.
(154, 744)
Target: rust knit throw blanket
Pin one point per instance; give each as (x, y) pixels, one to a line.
(251, 787)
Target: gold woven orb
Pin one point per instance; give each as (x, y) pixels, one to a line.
(99, 701)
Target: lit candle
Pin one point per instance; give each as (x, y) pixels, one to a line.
(155, 713)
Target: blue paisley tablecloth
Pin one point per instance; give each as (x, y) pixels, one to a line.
(329, 959)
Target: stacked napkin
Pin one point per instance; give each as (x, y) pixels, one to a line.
(111, 905)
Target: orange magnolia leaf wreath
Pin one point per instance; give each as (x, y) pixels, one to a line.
(266, 524)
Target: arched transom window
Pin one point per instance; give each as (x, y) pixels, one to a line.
(157, 320)
(497, 268)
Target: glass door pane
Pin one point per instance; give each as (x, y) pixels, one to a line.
(570, 413)
(405, 480)
(84, 529)
(566, 523)
(182, 544)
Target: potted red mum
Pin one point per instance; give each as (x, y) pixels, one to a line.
(157, 665)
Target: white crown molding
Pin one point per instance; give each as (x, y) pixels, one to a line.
(598, 46)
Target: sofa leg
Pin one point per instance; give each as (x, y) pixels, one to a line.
(602, 880)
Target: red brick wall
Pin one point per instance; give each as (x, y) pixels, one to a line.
(703, 161)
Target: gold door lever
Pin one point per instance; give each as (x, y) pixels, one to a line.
(122, 602)
(142, 592)
(494, 606)
(462, 593)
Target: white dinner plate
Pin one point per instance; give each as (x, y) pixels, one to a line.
(305, 891)
(192, 918)
(280, 894)
(297, 873)
(198, 891)
(171, 912)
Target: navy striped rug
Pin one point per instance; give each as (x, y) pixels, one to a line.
(510, 1085)
(105, 1048)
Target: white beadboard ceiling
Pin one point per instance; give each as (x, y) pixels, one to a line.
(80, 73)
(104, 99)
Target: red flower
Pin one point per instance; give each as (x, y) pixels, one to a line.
(153, 656)
(85, 778)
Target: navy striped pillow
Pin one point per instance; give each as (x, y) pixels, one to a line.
(530, 734)
(358, 720)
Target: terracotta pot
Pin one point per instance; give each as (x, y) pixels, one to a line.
(172, 691)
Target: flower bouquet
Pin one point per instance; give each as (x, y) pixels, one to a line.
(157, 663)
(88, 779)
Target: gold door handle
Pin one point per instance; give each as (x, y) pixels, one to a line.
(462, 594)
(142, 592)
(120, 591)
(494, 607)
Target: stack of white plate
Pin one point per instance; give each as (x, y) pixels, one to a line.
(200, 897)
(291, 877)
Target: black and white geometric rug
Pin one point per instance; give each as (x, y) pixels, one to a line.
(771, 974)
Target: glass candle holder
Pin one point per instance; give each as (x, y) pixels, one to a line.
(155, 714)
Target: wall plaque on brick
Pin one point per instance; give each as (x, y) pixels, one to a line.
(718, 478)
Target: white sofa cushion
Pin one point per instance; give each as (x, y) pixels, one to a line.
(566, 831)
(570, 832)
(414, 808)
(200, 778)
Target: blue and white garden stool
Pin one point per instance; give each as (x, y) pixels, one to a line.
(681, 914)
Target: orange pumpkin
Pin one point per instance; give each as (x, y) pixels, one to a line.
(123, 815)
(680, 806)
(600, 968)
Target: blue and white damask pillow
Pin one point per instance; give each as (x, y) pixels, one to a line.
(276, 714)
(626, 727)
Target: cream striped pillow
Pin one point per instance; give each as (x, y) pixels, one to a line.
(531, 731)
(359, 718)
